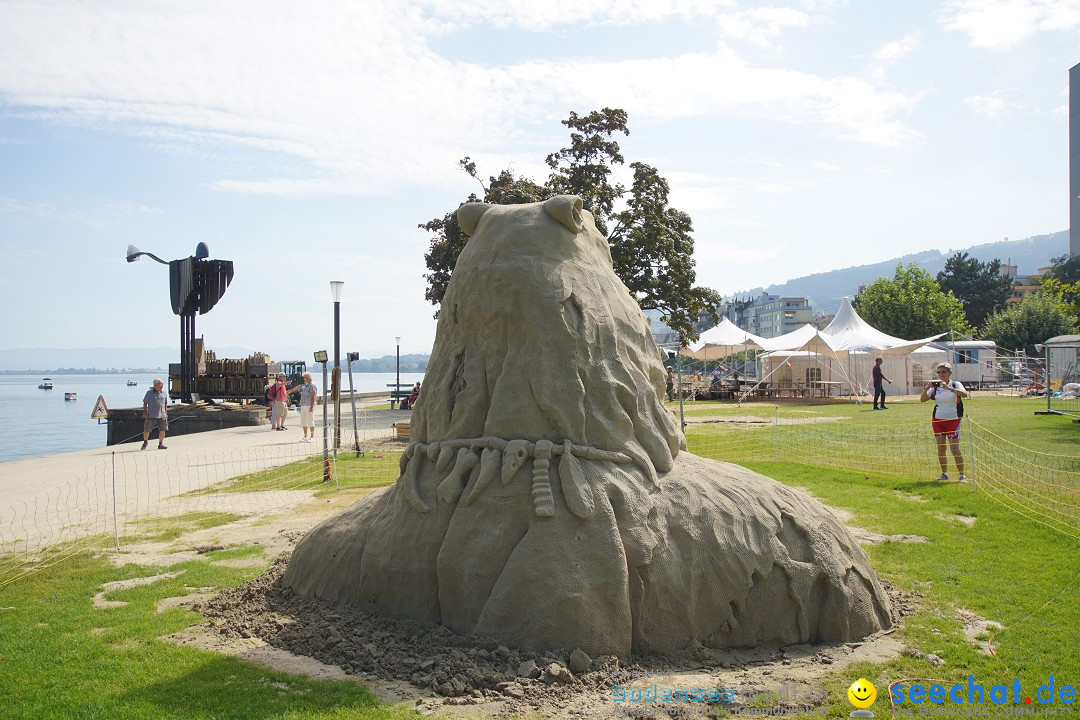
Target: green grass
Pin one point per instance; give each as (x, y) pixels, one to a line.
(169, 528)
(373, 469)
(60, 657)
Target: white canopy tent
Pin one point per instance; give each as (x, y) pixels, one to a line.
(908, 372)
(725, 339)
(838, 349)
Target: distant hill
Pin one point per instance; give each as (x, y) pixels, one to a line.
(826, 290)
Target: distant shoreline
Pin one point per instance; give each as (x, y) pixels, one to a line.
(87, 371)
(160, 371)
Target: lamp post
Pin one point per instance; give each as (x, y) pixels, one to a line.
(352, 398)
(397, 381)
(320, 357)
(335, 290)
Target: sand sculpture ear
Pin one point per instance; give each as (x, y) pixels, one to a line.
(468, 215)
(567, 210)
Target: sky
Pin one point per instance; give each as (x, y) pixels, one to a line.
(306, 141)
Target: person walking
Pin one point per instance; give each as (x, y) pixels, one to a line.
(670, 385)
(155, 405)
(308, 393)
(879, 389)
(279, 397)
(948, 395)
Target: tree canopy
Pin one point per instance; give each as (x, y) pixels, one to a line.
(1036, 318)
(1065, 268)
(980, 286)
(652, 247)
(911, 305)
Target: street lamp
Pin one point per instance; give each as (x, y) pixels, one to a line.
(320, 357)
(335, 290)
(397, 382)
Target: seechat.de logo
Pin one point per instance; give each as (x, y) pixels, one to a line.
(862, 695)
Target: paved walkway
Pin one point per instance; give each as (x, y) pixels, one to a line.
(29, 477)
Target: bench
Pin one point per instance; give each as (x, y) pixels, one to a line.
(397, 395)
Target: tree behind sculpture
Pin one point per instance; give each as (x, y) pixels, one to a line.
(651, 243)
(980, 286)
(911, 305)
(1033, 320)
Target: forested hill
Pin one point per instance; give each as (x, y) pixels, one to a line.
(827, 289)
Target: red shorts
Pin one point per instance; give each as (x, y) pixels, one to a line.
(948, 428)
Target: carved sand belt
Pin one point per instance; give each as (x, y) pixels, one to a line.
(481, 459)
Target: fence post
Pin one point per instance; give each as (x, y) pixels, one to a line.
(116, 525)
(776, 425)
(971, 452)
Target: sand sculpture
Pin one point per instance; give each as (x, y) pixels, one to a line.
(547, 498)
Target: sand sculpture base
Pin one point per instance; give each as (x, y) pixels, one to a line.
(548, 499)
(715, 554)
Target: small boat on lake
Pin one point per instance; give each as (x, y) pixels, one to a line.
(46, 384)
(132, 383)
(71, 396)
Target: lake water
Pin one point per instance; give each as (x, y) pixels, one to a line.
(40, 422)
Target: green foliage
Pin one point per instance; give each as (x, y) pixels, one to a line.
(652, 246)
(911, 305)
(1034, 319)
(1066, 292)
(1065, 268)
(980, 286)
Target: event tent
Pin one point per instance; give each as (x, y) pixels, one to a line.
(725, 339)
(842, 348)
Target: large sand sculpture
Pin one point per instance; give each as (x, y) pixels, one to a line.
(547, 498)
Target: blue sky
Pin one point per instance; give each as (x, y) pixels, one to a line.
(306, 141)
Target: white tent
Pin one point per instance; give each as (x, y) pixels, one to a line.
(848, 331)
(725, 339)
(837, 353)
(908, 373)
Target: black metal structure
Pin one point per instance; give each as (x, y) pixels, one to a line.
(195, 286)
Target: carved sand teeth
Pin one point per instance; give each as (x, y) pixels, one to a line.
(576, 490)
(490, 460)
(410, 484)
(541, 487)
(450, 488)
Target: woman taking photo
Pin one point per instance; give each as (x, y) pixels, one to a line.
(947, 395)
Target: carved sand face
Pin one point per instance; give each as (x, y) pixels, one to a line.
(593, 376)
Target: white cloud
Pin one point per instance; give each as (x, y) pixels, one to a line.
(993, 106)
(761, 26)
(358, 103)
(1001, 24)
(103, 214)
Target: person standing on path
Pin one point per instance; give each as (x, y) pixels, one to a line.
(155, 404)
(879, 389)
(948, 395)
(279, 397)
(308, 393)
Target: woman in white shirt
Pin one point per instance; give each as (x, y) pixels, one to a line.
(947, 395)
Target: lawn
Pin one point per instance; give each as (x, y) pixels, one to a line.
(61, 657)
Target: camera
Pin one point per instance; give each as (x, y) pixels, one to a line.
(935, 383)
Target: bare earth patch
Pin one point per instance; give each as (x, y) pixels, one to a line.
(974, 626)
(110, 587)
(757, 421)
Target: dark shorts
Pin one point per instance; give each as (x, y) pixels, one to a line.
(948, 428)
(161, 423)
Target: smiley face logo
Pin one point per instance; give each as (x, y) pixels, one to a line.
(862, 693)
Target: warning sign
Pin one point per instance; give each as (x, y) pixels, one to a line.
(100, 409)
